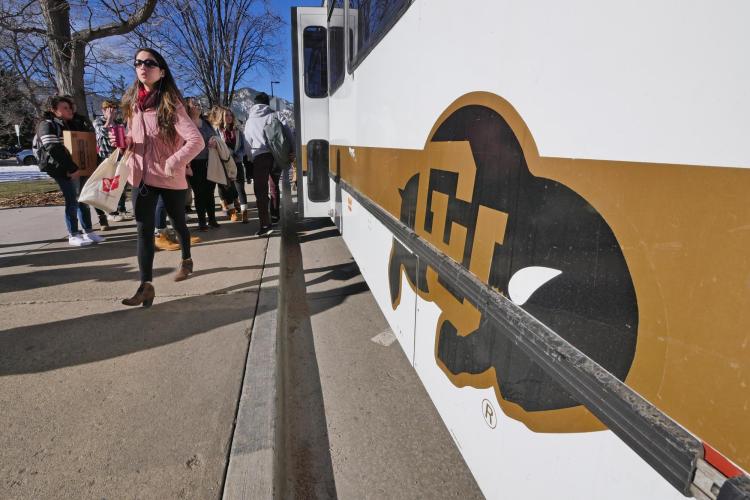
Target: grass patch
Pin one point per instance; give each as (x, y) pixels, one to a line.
(39, 193)
(15, 188)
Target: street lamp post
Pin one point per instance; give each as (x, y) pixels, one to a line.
(272, 88)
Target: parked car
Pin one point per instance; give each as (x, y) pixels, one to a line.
(26, 157)
(10, 152)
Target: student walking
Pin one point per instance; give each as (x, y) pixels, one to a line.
(81, 123)
(225, 124)
(203, 189)
(256, 144)
(163, 139)
(56, 161)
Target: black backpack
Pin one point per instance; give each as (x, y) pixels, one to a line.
(41, 154)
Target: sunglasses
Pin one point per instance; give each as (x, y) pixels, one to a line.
(149, 63)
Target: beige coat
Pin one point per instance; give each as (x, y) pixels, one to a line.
(219, 159)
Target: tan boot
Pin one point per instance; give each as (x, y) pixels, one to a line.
(162, 243)
(143, 296)
(185, 270)
(244, 217)
(233, 215)
(195, 239)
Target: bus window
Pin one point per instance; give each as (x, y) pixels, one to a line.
(336, 46)
(316, 67)
(318, 186)
(373, 19)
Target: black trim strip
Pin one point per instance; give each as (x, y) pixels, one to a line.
(736, 488)
(657, 439)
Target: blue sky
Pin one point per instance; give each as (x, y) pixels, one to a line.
(260, 81)
(263, 82)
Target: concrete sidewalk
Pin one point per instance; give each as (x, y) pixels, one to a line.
(103, 401)
(359, 422)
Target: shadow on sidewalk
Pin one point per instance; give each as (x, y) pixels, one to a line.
(97, 337)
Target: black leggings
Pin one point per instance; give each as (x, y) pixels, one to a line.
(203, 192)
(144, 207)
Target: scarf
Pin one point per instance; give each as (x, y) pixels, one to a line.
(147, 99)
(229, 138)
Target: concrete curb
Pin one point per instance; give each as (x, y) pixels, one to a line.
(256, 468)
(251, 471)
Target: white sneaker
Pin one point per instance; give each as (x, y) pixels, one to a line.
(92, 238)
(115, 218)
(76, 240)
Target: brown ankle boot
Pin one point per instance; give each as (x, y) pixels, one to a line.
(185, 270)
(244, 217)
(143, 296)
(233, 215)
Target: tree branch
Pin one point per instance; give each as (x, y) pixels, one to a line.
(118, 28)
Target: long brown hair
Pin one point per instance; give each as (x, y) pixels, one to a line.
(168, 99)
(218, 116)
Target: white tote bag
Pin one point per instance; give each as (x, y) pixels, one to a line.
(104, 187)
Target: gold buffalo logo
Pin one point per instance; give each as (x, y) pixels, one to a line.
(533, 240)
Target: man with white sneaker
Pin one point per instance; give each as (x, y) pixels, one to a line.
(56, 161)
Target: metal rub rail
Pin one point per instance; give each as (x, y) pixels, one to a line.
(672, 451)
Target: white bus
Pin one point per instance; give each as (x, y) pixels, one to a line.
(550, 201)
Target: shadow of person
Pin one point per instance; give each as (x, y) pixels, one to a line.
(107, 273)
(96, 337)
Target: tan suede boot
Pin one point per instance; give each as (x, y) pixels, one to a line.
(233, 215)
(185, 270)
(244, 218)
(162, 243)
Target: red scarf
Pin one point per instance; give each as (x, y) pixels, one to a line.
(229, 138)
(147, 99)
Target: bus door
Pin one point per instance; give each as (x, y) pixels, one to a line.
(310, 65)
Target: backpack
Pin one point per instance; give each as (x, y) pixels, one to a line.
(278, 143)
(40, 152)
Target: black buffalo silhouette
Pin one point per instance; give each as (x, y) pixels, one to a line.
(592, 303)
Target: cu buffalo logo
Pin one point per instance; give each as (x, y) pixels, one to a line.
(531, 239)
(110, 184)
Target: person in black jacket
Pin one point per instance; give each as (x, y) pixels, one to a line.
(81, 123)
(56, 161)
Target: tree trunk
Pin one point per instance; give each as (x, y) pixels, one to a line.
(68, 55)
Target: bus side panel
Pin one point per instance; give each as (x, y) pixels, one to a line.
(370, 244)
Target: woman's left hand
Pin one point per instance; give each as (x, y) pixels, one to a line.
(212, 143)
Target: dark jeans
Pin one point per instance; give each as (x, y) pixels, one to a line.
(261, 167)
(203, 192)
(160, 215)
(239, 183)
(145, 199)
(274, 185)
(74, 211)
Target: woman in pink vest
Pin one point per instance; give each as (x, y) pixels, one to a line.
(163, 140)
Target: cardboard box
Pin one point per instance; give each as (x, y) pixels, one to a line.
(82, 147)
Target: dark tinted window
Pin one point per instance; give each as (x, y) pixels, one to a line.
(336, 46)
(318, 186)
(316, 67)
(374, 19)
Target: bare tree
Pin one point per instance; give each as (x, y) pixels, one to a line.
(68, 44)
(216, 43)
(15, 107)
